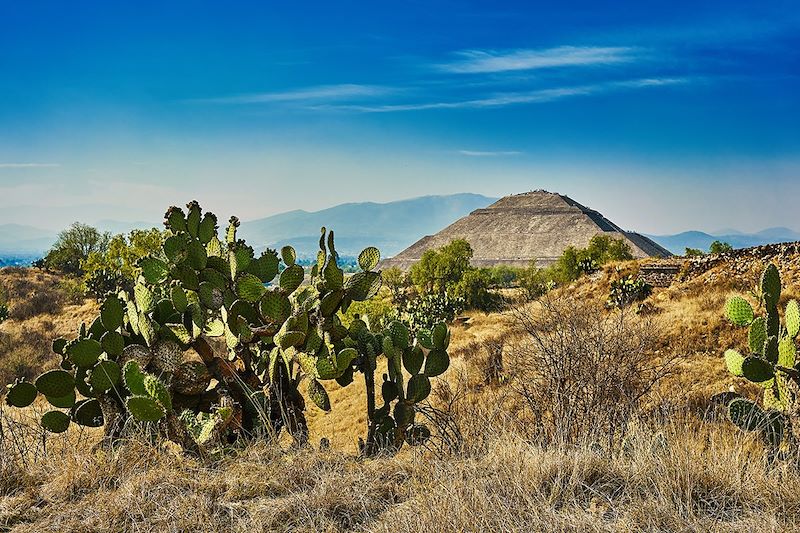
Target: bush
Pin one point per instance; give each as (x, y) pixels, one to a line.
(719, 247)
(473, 289)
(582, 371)
(117, 266)
(627, 290)
(377, 312)
(534, 282)
(693, 252)
(440, 269)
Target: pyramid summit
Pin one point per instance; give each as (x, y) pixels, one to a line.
(516, 229)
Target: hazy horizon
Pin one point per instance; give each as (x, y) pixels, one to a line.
(664, 117)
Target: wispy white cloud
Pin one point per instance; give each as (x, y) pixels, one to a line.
(29, 165)
(487, 61)
(507, 99)
(304, 94)
(479, 153)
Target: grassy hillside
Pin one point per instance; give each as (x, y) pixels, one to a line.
(497, 461)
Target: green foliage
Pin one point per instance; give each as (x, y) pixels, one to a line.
(771, 363)
(693, 252)
(138, 360)
(719, 247)
(627, 290)
(74, 246)
(423, 312)
(473, 289)
(576, 261)
(440, 269)
(534, 281)
(122, 261)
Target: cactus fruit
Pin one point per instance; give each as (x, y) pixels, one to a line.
(277, 331)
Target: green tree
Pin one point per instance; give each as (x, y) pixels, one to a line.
(396, 281)
(73, 247)
(473, 287)
(719, 247)
(604, 248)
(441, 269)
(123, 253)
(693, 252)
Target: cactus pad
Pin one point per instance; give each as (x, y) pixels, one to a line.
(368, 258)
(249, 288)
(757, 370)
(111, 313)
(413, 358)
(440, 336)
(417, 434)
(363, 285)
(154, 270)
(745, 414)
(191, 378)
(771, 285)
(136, 352)
(757, 335)
(734, 360)
(210, 296)
(55, 421)
(792, 318)
(739, 311)
(105, 376)
(113, 343)
(144, 409)
(88, 413)
(55, 383)
(436, 363)
(134, 378)
(291, 278)
(167, 355)
(419, 387)
(318, 395)
(21, 394)
(84, 352)
(288, 255)
(786, 352)
(62, 402)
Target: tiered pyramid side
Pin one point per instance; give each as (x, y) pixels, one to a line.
(516, 229)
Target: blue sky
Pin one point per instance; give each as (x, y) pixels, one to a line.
(663, 115)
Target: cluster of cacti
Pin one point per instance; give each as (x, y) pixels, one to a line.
(210, 346)
(429, 309)
(101, 283)
(626, 290)
(588, 265)
(771, 362)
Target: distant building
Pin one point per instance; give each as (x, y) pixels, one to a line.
(536, 225)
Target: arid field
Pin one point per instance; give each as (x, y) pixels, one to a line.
(555, 415)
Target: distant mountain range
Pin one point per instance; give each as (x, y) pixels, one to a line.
(678, 243)
(391, 226)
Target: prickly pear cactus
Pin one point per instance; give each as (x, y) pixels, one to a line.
(771, 362)
(213, 344)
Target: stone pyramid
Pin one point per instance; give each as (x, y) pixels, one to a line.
(518, 228)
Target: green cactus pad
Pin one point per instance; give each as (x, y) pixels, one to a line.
(112, 313)
(105, 376)
(187, 277)
(318, 395)
(287, 339)
(175, 219)
(143, 297)
(413, 358)
(208, 228)
(59, 345)
(786, 352)
(368, 258)
(196, 256)
(175, 248)
(745, 414)
(389, 391)
(191, 378)
(288, 255)
(330, 302)
(404, 413)
(792, 318)
(345, 358)
(210, 296)
(440, 336)
(80, 382)
(363, 286)
(154, 270)
(291, 278)
(144, 409)
(275, 307)
(739, 311)
(62, 402)
(55, 421)
(112, 343)
(250, 288)
(179, 300)
(21, 394)
(424, 339)
(771, 285)
(332, 275)
(55, 383)
(417, 434)
(146, 329)
(265, 267)
(134, 378)
(770, 351)
(193, 218)
(757, 370)
(436, 363)
(734, 360)
(158, 391)
(419, 387)
(757, 335)
(84, 352)
(88, 413)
